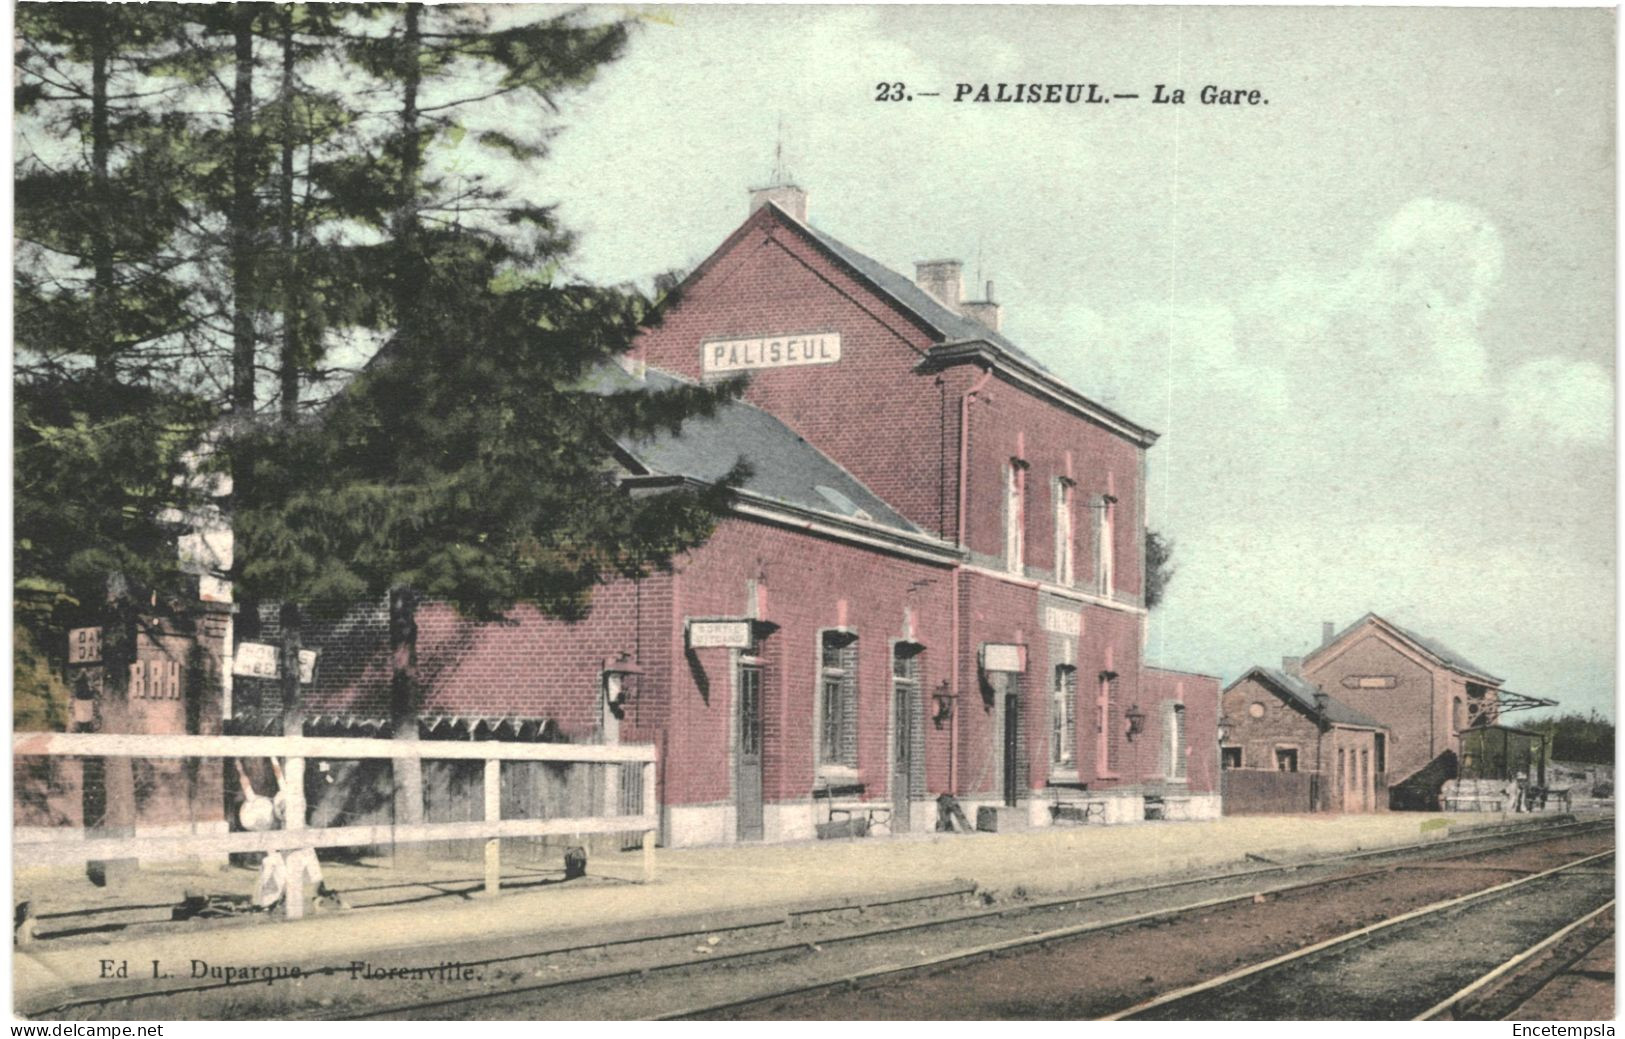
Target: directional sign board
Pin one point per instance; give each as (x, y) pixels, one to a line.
(255, 660)
(718, 634)
(260, 660)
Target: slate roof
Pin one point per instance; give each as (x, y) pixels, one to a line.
(1303, 693)
(1450, 657)
(1438, 650)
(784, 466)
(950, 325)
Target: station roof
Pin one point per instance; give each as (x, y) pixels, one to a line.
(964, 337)
(1302, 693)
(1430, 646)
(784, 466)
(950, 325)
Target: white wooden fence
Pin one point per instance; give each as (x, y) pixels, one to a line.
(77, 846)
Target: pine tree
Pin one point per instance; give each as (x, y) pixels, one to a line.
(469, 462)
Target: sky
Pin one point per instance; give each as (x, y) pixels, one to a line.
(1373, 319)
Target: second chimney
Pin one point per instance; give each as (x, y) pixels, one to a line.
(942, 279)
(1292, 665)
(983, 310)
(1328, 630)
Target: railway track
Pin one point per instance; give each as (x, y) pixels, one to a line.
(1387, 971)
(970, 937)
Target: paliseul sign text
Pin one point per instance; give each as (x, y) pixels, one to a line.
(787, 351)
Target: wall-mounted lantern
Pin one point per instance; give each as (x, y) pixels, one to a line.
(943, 703)
(618, 672)
(1136, 721)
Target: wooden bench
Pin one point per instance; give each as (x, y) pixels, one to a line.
(844, 799)
(1070, 801)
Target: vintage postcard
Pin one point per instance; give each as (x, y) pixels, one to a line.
(723, 512)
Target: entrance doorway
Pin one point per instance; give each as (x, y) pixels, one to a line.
(905, 701)
(748, 768)
(1012, 732)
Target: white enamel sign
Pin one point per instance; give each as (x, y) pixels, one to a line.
(254, 660)
(1001, 656)
(729, 634)
(787, 351)
(260, 660)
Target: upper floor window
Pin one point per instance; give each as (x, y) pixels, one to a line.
(837, 699)
(1015, 516)
(1106, 543)
(1063, 718)
(1064, 535)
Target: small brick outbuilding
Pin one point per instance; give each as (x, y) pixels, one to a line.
(1287, 746)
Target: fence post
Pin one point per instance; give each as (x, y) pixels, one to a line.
(493, 813)
(649, 807)
(293, 818)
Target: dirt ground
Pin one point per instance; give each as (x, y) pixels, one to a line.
(412, 908)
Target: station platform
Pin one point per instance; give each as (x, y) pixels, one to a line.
(441, 903)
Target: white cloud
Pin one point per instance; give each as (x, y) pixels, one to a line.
(1561, 401)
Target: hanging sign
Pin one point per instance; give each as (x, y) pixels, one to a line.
(1004, 657)
(719, 634)
(786, 351)
(255, 660)
(261, 660)
(85, 646)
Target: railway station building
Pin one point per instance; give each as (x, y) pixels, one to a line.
(932, 583)
(1431, 716)
(1288, 746)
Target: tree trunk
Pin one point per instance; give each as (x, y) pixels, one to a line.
(293, 701)
(289, 369)
(242, 217)
(118, 773)
(404, 706)
(101, 245)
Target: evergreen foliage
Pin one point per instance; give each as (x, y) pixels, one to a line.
(1159, 571)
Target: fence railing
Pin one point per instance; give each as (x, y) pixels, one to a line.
(65, 845)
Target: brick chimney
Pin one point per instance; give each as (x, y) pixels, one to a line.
(983, 310)
(1292, 665)
(942, 279)
(1327, 631)
(787, 197)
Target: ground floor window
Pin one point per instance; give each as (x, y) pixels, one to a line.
(1174, 740)
(837, 700)
(1063, 718)
(1286, 759)
(1230, 757)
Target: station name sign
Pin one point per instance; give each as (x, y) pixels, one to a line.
(719, 634)
(787, 351)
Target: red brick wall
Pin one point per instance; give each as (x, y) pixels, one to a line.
(870, 411)
(805, 578)
(1006, 423)
(1258, 737)
(1200, 696)
(896, 430)
(1419, 726)
(1004, 612)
